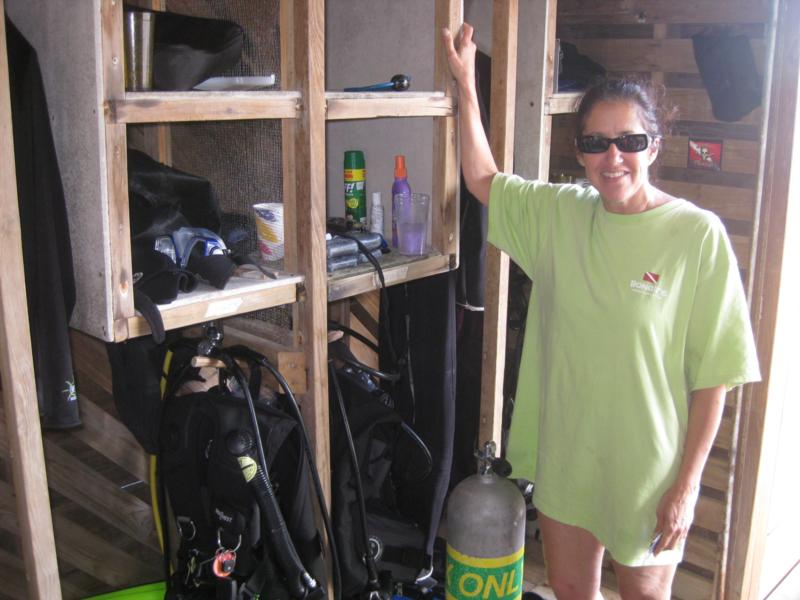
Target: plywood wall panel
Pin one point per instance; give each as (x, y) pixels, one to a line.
(710, 514)
(641, 54)
(659, 11)
(701, 552)
(691, 586)
(685, 125)
(716, 475)
(694, 104)
(674, 55)
(728, 203)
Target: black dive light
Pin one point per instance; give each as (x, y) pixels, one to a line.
(398, 83)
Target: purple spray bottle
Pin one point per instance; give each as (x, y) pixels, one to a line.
(401, 187)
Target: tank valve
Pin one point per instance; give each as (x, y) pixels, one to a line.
(489, 463)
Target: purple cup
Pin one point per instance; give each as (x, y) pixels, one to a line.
(412, 223)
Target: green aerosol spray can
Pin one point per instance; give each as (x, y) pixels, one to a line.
(355, 188)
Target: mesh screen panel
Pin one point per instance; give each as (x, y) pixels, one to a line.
(241, 159)
(260, 21)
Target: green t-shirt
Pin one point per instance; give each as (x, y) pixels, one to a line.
(628, 315)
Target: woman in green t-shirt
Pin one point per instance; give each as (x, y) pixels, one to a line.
(637, 326)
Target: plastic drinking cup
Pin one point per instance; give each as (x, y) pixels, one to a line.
(412, 223)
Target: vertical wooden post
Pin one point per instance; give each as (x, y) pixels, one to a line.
(16, 368)
(540, 20)
(534, 86)
(445, 158)
(762, 402)
(306, 207)
(501, 139)
(113, 88)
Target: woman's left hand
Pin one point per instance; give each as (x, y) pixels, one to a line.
(674, 516)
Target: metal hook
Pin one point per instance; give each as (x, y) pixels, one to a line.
(185, 521)
(219, 541)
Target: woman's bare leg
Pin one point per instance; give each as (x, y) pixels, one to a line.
(573, 558)
(644, 583)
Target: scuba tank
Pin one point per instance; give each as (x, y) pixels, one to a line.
(485, 533)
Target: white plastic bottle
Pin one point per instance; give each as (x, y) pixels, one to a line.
(376, 215)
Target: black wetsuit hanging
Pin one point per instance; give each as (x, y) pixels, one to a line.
(47, 255)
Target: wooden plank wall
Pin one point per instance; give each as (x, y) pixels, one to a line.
(651, 39)
(99, 495)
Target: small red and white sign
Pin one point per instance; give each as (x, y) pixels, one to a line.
(705, 154)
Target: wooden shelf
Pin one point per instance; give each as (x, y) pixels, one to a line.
(173, 107)
(396, 269)
(563, 103)
(244, 293)
(371, 105)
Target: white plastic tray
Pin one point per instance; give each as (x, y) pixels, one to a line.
(227, 84)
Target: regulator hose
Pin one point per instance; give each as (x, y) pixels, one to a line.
(250, 354)
(239, 443)
(300, 583)
(369, 562)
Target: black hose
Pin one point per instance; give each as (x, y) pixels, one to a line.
(303, 583)
(425, 451)
(353, 333)
(384, 303)
(372, 571)
(295, 407)
(411, 390)
(299, 581)
(350, 360)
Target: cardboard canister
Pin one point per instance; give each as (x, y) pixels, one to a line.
(269, 229)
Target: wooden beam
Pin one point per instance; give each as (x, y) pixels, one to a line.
(307, 215)
(242, 294)
(505, 18)
(13, 576)
(343, 105)
(396, 269)
(289, 362)
(116, 158)
(535, 98)
(16, 370)
(563, 103)
(155, 107)
(777, 232)
(445, 183)
(288, 80)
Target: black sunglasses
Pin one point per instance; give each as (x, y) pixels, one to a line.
(595, 144)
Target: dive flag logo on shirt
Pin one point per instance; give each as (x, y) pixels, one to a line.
(651, 277)
(649, 285)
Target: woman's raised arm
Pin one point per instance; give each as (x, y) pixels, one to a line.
(477, 162)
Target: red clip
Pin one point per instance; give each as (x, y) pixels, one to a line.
(224, 563)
